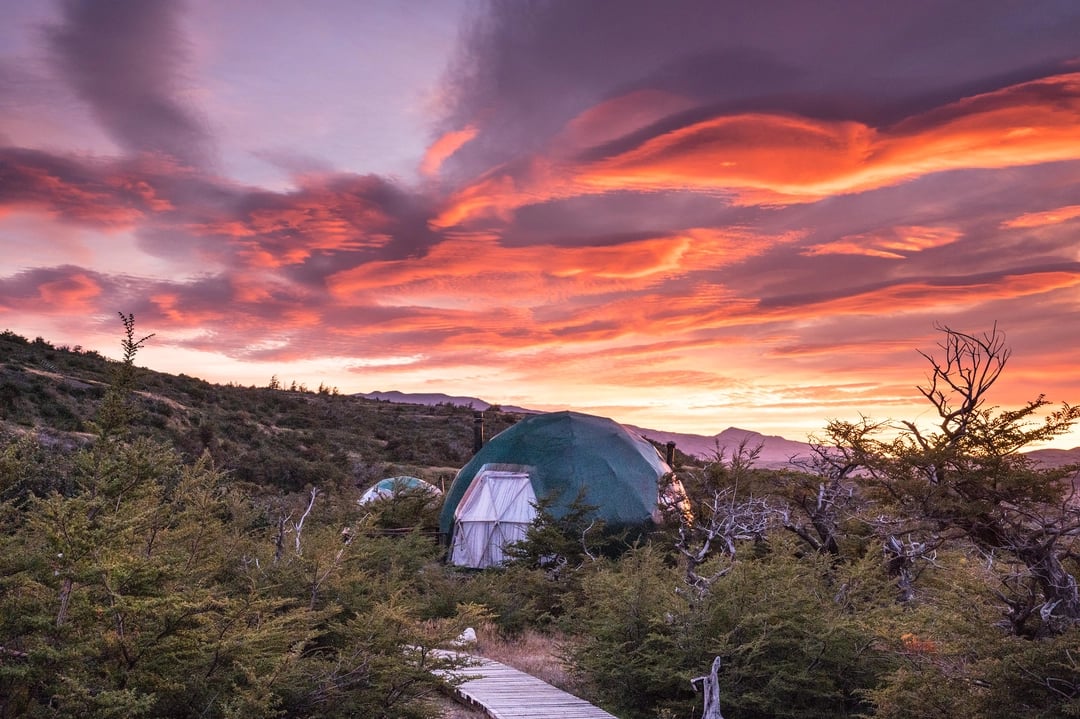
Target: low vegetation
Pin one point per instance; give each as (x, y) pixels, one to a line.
(271, 438)
(172, 548)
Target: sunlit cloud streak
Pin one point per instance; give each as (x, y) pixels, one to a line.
(445, 146)
(1043, 218)
(895, 243)
(774, 159)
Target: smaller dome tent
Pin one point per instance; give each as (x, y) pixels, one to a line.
(558, 456)
(391, 486)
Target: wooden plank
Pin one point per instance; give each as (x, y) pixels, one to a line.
(503, 692)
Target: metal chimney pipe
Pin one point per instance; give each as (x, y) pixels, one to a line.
(669, 456)
(478, 431)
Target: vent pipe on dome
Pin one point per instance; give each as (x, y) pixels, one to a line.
(478, 431)
(669, 455)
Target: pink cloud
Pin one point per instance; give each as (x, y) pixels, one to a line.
(70, 295)
(895, 243)
(173, 311)
(1043, 218)
(444, 147)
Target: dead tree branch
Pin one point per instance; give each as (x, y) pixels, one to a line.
(298, 527)
(710, 687)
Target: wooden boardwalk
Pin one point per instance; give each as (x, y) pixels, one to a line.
(502, 692)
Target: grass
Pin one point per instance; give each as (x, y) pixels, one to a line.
(536, 653)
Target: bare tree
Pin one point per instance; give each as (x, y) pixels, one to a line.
(721, 516)
(959, 381)
(823, 494)
(966, 480)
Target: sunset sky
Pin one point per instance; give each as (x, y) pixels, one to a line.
(682, 215)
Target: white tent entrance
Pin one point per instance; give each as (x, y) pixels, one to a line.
(494, 512)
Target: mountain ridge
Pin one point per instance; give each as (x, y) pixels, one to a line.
(436, 398)
(775, 452)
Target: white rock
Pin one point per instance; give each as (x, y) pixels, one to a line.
(466, 637)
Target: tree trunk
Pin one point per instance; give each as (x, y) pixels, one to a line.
(710, 687)
(65, 596)
(1058, 586)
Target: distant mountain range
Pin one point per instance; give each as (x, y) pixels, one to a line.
(776, 452)
(434, 398)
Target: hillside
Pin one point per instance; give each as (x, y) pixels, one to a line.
(290, 438)
(281, 438)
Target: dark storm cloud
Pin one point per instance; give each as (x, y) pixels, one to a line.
(124, 58)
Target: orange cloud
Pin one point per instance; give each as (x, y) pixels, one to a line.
(444, 147)
(772, 158)
(692, 309)
(786, 155)
(69, 295)
(288, 229)
(494, 195)
(1041, 219)
(922, 296)
(719, 247)
(169, 305)
(895, 244)
(81, 201)
(803, 158)
(487, 269)
(707, 306)
(468, 270)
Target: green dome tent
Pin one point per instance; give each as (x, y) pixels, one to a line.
(391, 486)
(558, 456)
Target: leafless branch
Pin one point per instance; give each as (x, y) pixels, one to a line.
(959, 381)
(298, 527)
(725, 521)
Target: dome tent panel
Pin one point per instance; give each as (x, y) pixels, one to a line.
(573, 456)
(495, 511)
(391, 486)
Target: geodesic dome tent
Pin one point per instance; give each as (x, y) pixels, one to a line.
(391, 486)
(558, 456)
